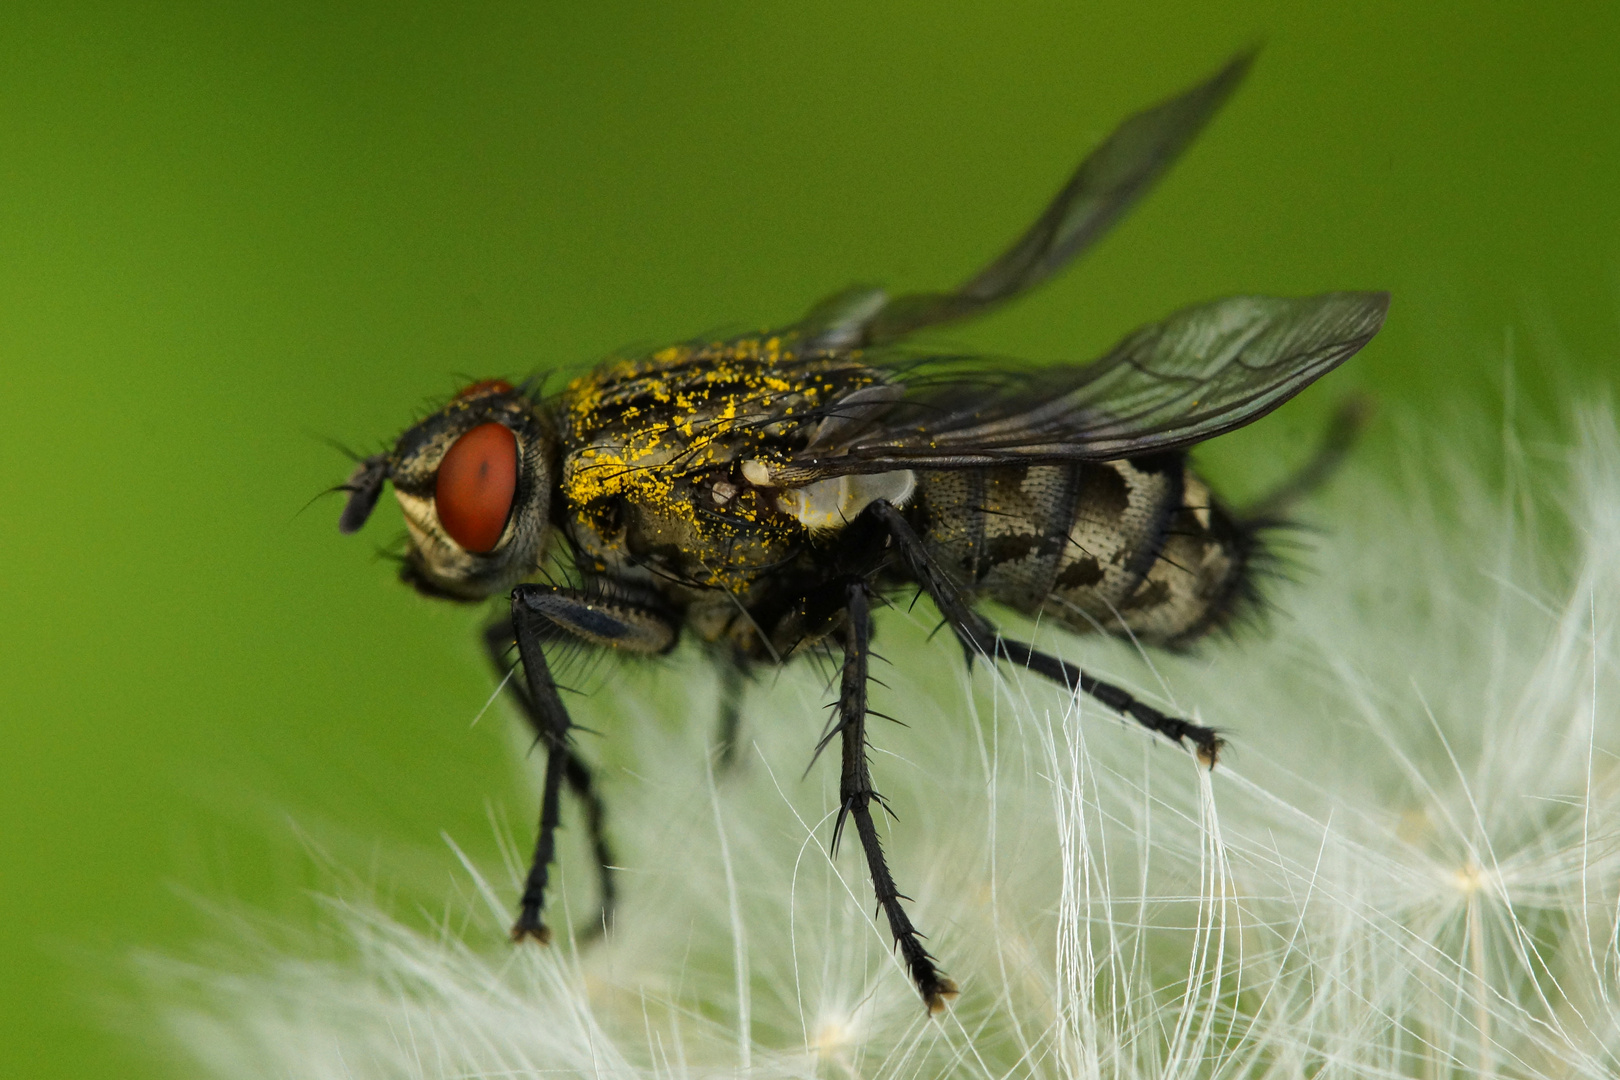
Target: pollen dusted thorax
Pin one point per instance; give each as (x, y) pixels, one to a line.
(663, 460)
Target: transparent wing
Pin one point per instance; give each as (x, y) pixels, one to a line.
(1202, 372)
(1107, 183)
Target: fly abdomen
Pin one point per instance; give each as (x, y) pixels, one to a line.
(1200, 576)
(1135, 546)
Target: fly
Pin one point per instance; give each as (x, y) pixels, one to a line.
(760, 493)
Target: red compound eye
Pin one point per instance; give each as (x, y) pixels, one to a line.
(477, 479)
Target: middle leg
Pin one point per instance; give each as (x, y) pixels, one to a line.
(733, 683)
(856, 796)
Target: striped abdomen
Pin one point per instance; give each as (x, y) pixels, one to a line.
(1138, 547)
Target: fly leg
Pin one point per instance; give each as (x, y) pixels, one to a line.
(541, 612)
(1205, 741)
(733, 681)
(856, 797)
(498, 638)
(551, 725)
(979, 636)
(1343, 429)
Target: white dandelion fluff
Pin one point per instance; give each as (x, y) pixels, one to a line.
(1409, 865)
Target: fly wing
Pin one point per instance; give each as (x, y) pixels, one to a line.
(1202, 372)
(1106, 185)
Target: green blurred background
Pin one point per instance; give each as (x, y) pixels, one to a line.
(230, 232)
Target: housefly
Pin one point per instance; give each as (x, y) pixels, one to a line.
(760, 493)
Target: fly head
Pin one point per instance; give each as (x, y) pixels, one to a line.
(474, 481)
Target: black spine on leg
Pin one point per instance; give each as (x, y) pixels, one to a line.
(979, 636)
(856, 797)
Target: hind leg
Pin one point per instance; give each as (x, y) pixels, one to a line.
(980, 637)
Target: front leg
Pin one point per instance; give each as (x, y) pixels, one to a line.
(498, 639)
(540, 612)
(856, 797)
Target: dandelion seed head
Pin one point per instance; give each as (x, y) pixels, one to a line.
(1407, 865)
(1469, 879)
